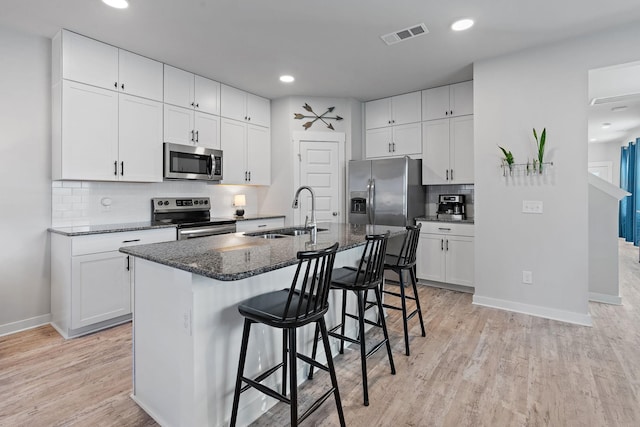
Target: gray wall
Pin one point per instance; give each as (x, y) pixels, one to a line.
(25, 189)
(542, 87)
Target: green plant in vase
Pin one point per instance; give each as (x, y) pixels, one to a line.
(508, 158)
(540, 146)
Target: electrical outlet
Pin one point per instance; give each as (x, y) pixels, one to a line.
(527, 277)
(532, 206)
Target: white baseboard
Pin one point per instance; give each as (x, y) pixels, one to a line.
(535, 310)
(605, 298)
(23, 325)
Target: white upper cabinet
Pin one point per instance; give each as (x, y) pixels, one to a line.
(247, 153)
(140, 76)
(98, 64)
(89, 61)
(447, 151)
(447, 101)
(396, 110)
(187, 90)
(239, 105)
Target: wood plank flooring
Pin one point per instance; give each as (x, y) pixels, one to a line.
(476, 367)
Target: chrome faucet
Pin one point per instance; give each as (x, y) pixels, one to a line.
(294, 205)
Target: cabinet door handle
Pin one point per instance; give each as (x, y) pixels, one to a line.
(197, 105)
(451, 174)
(115, 168)
(444, 229)
(245, 117)
(193, 104)
(262, 225)
(389, 147)
(122, 86)
(447, 174)
(388, 121)
(451, 112)
(246, 176)
(115, 84)
(131, 241)
(197, 136)
(442, 244)
(128, 264)
(249, 176)
(447, 245)
(394, 146)
(193, 136)
(121, 168)
(446, 113)
(249, 118)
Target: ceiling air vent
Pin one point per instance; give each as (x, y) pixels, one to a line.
(405, 34)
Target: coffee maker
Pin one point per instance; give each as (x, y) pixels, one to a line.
(451, 207)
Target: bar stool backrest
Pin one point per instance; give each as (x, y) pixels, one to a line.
(407, 255)
(313, 281)
(371, 266)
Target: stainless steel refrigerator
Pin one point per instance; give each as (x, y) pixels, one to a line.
(386, 191)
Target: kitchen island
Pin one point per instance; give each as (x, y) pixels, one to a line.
(187, 329)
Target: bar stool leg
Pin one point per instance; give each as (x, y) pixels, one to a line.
(284, 362)
(293, 358)
(403, 300)
(316, 335)
(243, 357)
(363, 350)
(415, 293)
(344, 311)
(384, 329)
(332, 372)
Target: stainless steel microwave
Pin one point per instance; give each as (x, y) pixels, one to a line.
(190, 162)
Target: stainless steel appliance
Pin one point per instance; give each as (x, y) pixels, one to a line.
(386, 191)
(191, 215)
(451, 207)
(191, 162)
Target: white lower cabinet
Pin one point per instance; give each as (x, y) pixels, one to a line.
(91, 281)
(446, 253)
(259, 224)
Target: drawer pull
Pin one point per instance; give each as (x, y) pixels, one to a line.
(262, 225)
(131, 241)
(444, 229)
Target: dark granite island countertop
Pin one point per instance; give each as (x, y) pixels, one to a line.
(238, 256)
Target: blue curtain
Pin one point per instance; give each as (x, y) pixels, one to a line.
(629, 224)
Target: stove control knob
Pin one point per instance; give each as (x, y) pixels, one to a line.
(160, 203)
(206, 202)
(166, 202)
(197, 201)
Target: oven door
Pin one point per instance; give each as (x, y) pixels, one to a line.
(185, 233)
(189, 162)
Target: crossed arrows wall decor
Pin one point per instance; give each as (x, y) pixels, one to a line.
(316, 117)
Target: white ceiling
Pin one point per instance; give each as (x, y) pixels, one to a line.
(332, 47)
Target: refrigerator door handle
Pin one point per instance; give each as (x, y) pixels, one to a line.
(368, 207)
(372, 198)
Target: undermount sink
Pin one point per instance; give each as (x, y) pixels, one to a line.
(272, 236)
(283, 232)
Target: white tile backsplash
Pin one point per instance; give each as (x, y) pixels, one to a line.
(76, 203)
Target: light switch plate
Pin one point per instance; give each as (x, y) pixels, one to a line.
(532, 206)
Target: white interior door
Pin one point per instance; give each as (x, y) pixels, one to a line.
(321, 168)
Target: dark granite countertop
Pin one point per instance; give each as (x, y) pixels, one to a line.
(83, 230)
(237, 256)
(436, 219)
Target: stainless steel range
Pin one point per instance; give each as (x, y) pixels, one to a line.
(191, 215)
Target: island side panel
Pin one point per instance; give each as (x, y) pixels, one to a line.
(217, 333)
(162, 343)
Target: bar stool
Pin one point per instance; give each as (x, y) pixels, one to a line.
(404, 261)
(306, 301)
(367, 277)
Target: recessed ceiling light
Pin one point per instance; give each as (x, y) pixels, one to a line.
(619, 108)
(606, 125)
(287, 79)
(118, 4)
(462, 24)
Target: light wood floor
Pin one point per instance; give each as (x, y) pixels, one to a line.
(476, 367)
